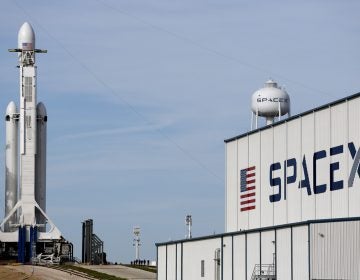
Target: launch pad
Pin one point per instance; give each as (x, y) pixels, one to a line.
(26, 232)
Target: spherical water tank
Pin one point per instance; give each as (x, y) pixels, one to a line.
(270, 101)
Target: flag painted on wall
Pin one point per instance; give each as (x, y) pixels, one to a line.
(247, 189)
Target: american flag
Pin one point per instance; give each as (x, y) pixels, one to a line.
(27, 46)
(247, 189)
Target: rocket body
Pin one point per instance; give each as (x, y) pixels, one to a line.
(40, 163)
(26, 228)
(27, 139)
(11, 163)
(27, 123)
(25, 179)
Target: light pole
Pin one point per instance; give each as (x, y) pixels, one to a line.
(136, 243)
(188, 222)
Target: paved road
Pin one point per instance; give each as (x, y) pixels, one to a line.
(20, 272)
(123, 271)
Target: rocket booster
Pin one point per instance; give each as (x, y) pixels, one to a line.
(26, 228)
(11, 163)
(25, 176)
(27, 121)
(26, 143)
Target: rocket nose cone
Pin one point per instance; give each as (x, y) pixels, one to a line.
(41, 109)
(11, 108)
(41, 112)
(26, 37)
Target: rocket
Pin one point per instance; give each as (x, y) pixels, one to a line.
(25, 160)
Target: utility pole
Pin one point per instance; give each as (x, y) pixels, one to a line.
(136, 243)
(188, 222)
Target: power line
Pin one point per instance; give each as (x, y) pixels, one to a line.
(211, 50)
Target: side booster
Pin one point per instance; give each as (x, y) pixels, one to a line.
(11, 164)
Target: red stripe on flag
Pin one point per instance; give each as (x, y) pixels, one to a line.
(251, 188)
(248, 175)
(247, 201)
(251, 168)
(247, 208)
(250, 182)
(247, 195)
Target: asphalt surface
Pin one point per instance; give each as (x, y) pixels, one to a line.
(123, 272)
(29, 272)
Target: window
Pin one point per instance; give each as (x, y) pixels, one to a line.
(202, 268)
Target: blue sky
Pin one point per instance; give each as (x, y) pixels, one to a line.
(141, 94)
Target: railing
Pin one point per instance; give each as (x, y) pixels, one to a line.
(46, 259)
(76, 260)
(264, 271)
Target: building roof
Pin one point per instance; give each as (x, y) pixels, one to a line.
(356, 95)
(261, 229)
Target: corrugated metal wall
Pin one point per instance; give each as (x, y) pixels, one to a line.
(171, 262)
(335, 250)
(231, 194)
(294, 198)
(354, 133)
(161, 262)
(314, 149)
(284, 253)
(300, 253)
(323, 250)
(240, 253)
(194, 253)
(227, 257)
(252, 252)
(242, 156)
(339, 134)
(178, 261)
(240, 256)
(262, 175)
(254, 217)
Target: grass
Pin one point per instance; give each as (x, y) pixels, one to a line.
(92, 273)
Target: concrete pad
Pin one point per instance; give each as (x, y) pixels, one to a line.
(123, 271)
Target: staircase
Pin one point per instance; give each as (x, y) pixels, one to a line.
(264, 272)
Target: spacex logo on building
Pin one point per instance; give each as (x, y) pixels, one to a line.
(282, 175)
(247, 189)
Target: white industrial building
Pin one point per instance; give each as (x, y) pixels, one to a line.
(292, 207)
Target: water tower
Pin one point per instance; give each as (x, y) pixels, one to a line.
(270, 102)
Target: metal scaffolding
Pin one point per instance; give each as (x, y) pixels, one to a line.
(92, 245)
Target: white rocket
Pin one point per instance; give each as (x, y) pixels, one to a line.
(25, 162)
